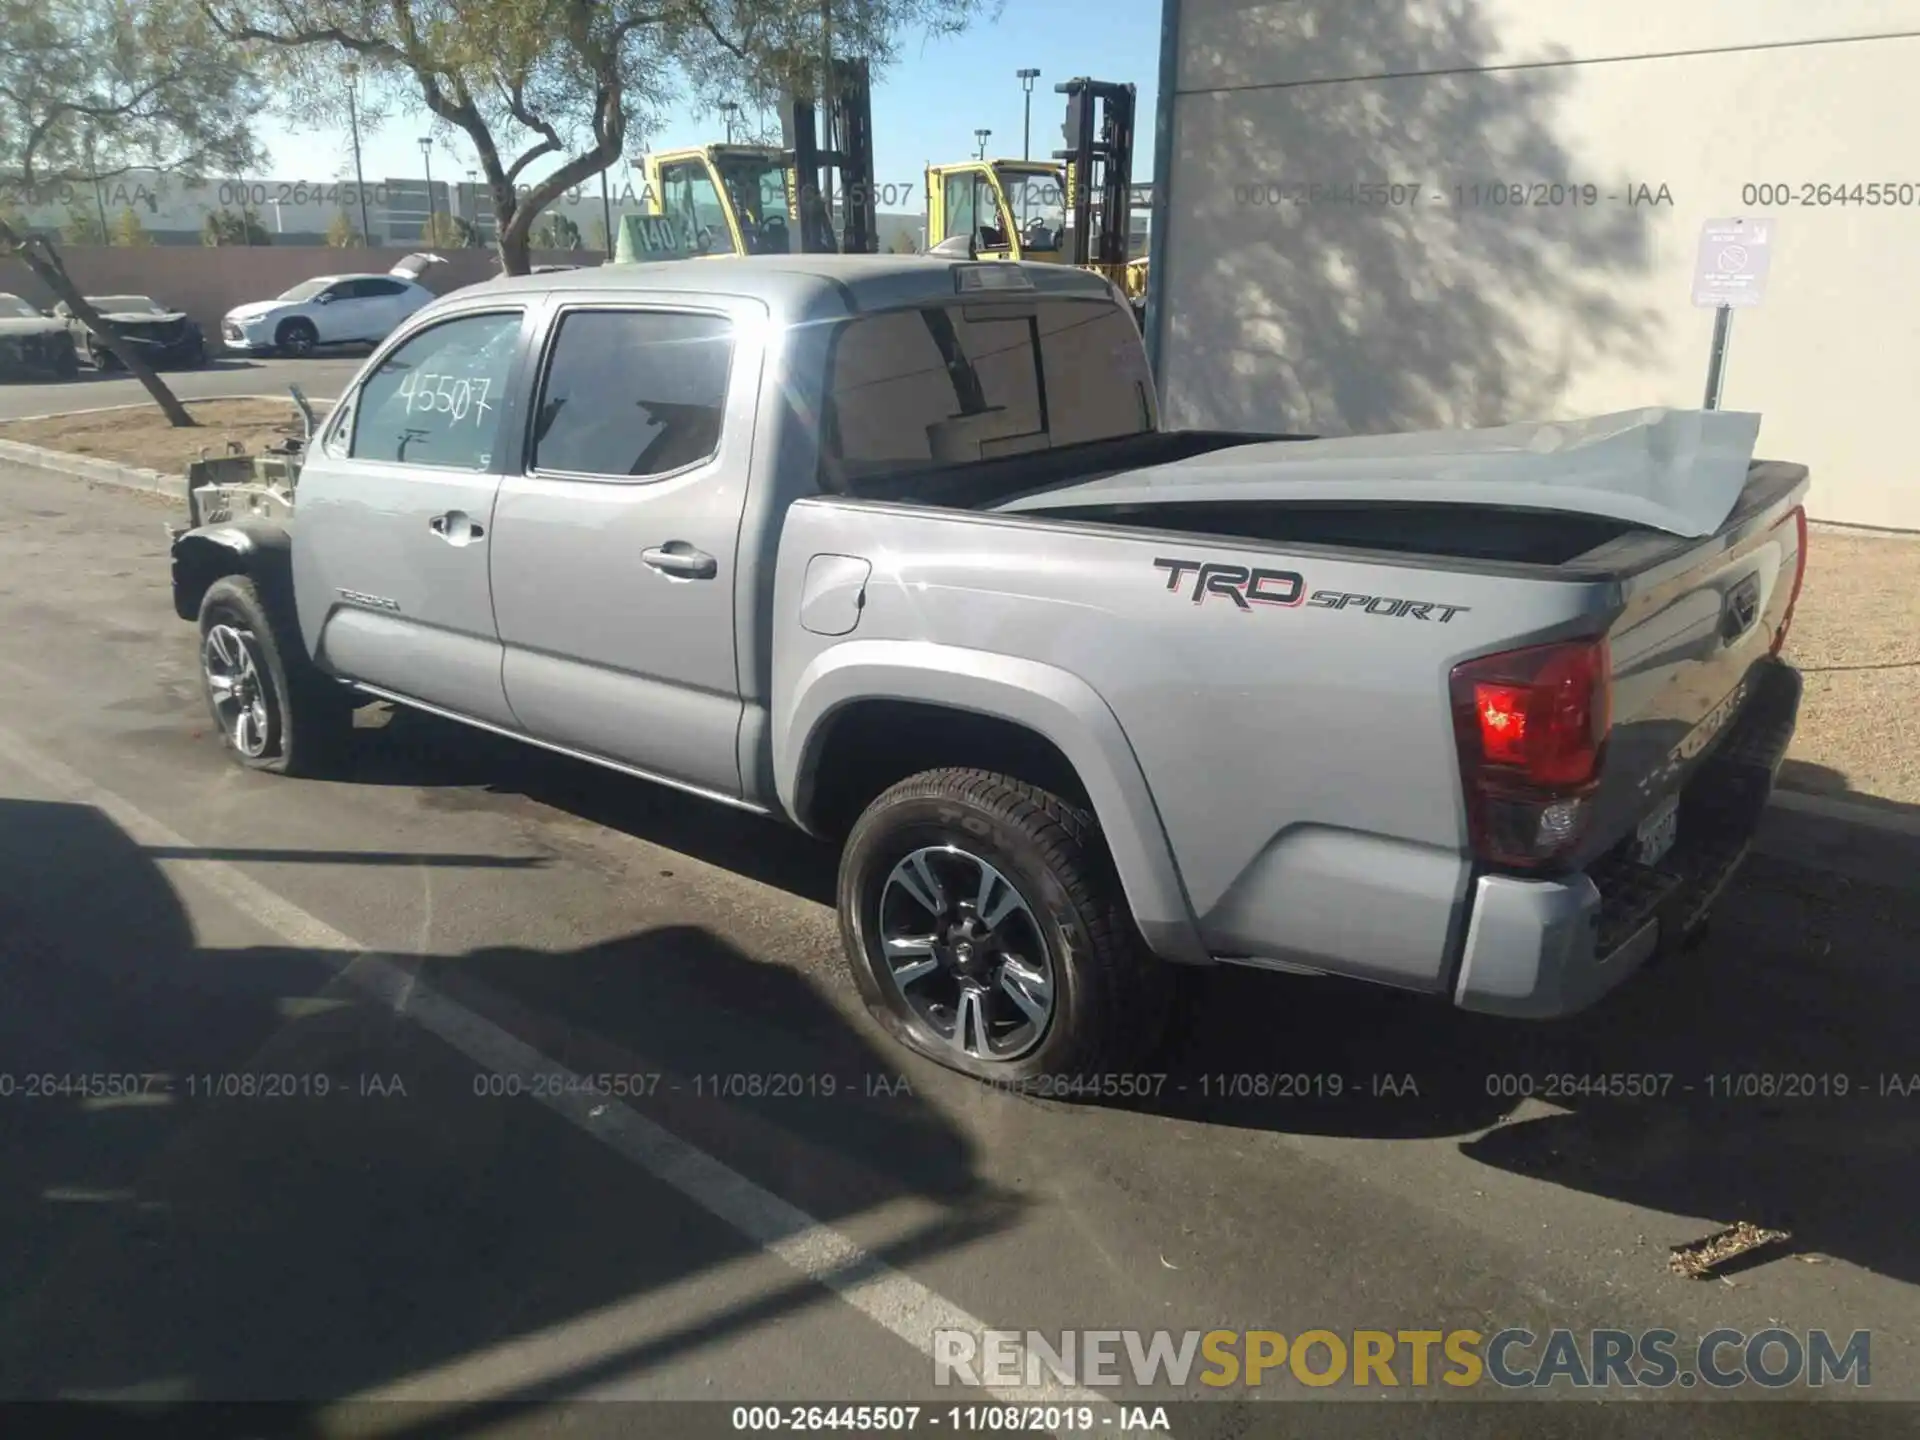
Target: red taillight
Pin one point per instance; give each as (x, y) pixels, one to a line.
(1799, 518)
(1532, 730)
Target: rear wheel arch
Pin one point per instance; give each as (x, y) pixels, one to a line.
(949, 708)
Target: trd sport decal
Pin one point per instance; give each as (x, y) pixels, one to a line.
(1286, 589)
(1246, 588)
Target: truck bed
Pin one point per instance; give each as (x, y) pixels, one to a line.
(1301, 753)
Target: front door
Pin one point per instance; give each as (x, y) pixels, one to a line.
(615, 574)
(337, 311)
(395, 512)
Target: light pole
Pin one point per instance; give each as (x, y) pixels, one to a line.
(426, 154)
(981, 136)
(1027, 77)
(730, 109)
(353, 124)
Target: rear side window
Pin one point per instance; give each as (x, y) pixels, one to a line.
(436, 399)
(633, 393)
(953, 383)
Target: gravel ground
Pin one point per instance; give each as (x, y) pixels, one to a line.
(143, 437)
(1856, 638)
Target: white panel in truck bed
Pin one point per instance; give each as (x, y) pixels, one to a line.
(1680, 471)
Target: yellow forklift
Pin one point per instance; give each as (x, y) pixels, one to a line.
(760, 200)
(1078, 211)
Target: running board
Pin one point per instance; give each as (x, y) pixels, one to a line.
(396, 698)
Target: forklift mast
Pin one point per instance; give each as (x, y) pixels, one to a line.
(1099, 173)
(853, 161)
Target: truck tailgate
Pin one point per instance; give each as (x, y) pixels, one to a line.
(1697, 620)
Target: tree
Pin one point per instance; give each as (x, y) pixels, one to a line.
(90, 89)
(529, 81)
(601, 241)
(557, 232)
(234, 227)
(81, 228)
(449, 232)
(127, 231)
(341, 233)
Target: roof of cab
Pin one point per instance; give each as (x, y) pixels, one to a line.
(795, 283)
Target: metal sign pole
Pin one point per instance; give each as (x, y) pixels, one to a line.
(1717, 360)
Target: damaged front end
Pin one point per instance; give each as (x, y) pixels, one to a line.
(225, 488)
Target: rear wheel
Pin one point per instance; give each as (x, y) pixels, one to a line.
(986, 930)
(296, 337)
(273, 710)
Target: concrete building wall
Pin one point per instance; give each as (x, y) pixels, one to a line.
(1439, 304)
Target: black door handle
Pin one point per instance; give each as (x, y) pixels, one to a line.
(681, 561)
(456, 527)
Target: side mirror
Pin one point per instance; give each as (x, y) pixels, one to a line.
(955, 247)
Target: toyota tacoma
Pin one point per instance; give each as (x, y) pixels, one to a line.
(894, 550)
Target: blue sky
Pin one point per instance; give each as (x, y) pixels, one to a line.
(925, 109)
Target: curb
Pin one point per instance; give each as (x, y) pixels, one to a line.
(97, 472)
(320, 405)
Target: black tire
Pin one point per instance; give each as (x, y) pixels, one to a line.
(305, 717)
(296, 338)
(1111, 997)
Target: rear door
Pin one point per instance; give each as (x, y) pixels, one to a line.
(614, 567)
(379, 306)
(396, 517)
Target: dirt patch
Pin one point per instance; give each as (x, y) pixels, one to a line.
(142, 436)
(1856, 639)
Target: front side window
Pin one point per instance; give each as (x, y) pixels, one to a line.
(633, 393)
(759, 192)
(986, 206)
(436, 400)
(1039, 209)
(689, 196)
(305, 290)
(958, 194)
(948, 384)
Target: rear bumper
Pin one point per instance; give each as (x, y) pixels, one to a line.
(1537, 949)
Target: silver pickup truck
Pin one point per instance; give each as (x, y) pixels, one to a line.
(894, 550)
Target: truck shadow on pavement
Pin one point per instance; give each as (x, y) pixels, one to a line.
(1711, 1084)
(463, 768)
(1770, 1075)
(395, 1217)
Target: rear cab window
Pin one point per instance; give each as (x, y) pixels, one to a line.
(957, 382)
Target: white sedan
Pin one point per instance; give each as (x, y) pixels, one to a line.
(330, 310)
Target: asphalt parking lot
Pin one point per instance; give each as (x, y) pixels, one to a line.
(321, 379)
(382, 953)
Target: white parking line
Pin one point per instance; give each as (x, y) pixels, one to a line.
(816, 1250)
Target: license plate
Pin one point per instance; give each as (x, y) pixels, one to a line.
(1658, 832)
